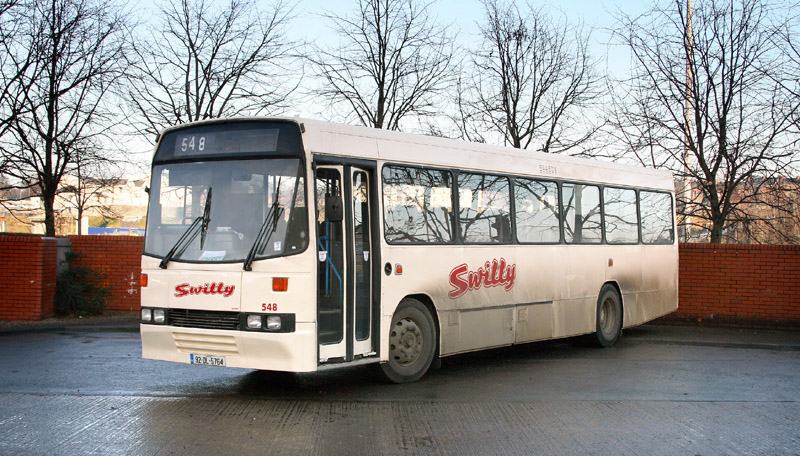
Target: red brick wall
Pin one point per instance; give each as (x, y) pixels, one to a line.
(119, 259)
(27, 277)
(720, 284)
(739, 284)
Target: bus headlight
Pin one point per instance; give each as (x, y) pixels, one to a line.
(159, 315)
(254, 321)
(147, 315)
(273, 323)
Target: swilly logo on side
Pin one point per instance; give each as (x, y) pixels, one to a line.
(207, 288)
(492, 274)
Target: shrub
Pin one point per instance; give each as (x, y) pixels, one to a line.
(78, 290)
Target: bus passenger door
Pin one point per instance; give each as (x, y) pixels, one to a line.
(361, 253)
(344, 267)
(331, 264)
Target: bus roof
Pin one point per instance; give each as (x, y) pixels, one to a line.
(391, 146)
(330, 138)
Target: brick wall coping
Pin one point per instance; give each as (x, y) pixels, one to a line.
(697, 246)
(29, 239)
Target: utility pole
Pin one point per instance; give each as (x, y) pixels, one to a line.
(686, 191)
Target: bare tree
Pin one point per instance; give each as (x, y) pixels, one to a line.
(87, 190)
(64, 59)
(704, 101)
(772, 218)
(787, 37)
(532, 81)
(6, 5)
(391, 63)
(10, 197)
(205, 62)
(12, 64)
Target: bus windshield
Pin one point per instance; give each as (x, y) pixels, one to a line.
(247, 196)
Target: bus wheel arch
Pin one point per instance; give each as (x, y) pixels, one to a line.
(614, 284)
(413, 339)
(609, 316)
(428, 302)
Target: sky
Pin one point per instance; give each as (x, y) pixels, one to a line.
(464, 15)
(309, 25)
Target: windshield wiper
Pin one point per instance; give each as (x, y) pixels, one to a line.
(267, 228)
(206, 218)
(190, 233)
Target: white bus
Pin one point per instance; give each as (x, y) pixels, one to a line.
(298, 245)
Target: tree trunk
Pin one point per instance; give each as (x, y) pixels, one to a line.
(716, 231)
(48, 199)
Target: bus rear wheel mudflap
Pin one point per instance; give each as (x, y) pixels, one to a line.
(609, 317)
(412, 342)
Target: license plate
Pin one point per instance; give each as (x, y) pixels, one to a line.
(208, 360)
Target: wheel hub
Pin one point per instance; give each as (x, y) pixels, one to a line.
(409, 340)
(406, 342)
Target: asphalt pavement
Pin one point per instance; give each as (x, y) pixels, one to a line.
(81, 387)
(719, 336)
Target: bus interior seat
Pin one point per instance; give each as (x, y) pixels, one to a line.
(297, 234)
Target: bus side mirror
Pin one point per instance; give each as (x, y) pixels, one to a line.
(334, 210)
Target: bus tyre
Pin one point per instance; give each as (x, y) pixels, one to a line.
(609, 317)
(412, 342)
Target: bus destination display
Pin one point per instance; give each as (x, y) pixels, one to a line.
(226, 142)
(192, 144)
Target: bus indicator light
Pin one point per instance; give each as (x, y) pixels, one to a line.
(280, 283)
(143, 280)
(398, 269)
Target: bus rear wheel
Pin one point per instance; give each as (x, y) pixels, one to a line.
(412, 342)
(609, 317)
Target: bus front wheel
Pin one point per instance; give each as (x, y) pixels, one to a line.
(412, 342)
(609, 317)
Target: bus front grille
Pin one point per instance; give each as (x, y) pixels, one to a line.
(209, 344)
(204, 319)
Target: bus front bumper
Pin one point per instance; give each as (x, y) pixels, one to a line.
(288, 352)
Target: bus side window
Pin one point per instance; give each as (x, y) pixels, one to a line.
(656, 217)
(581, 213)
(537, 211)
(417, 205)
(621, 224)
(485, 208)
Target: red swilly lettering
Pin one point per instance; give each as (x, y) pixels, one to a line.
(207, 288)
(493, 273)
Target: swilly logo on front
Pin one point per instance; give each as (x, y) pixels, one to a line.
(207, 288)
(492, 274)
